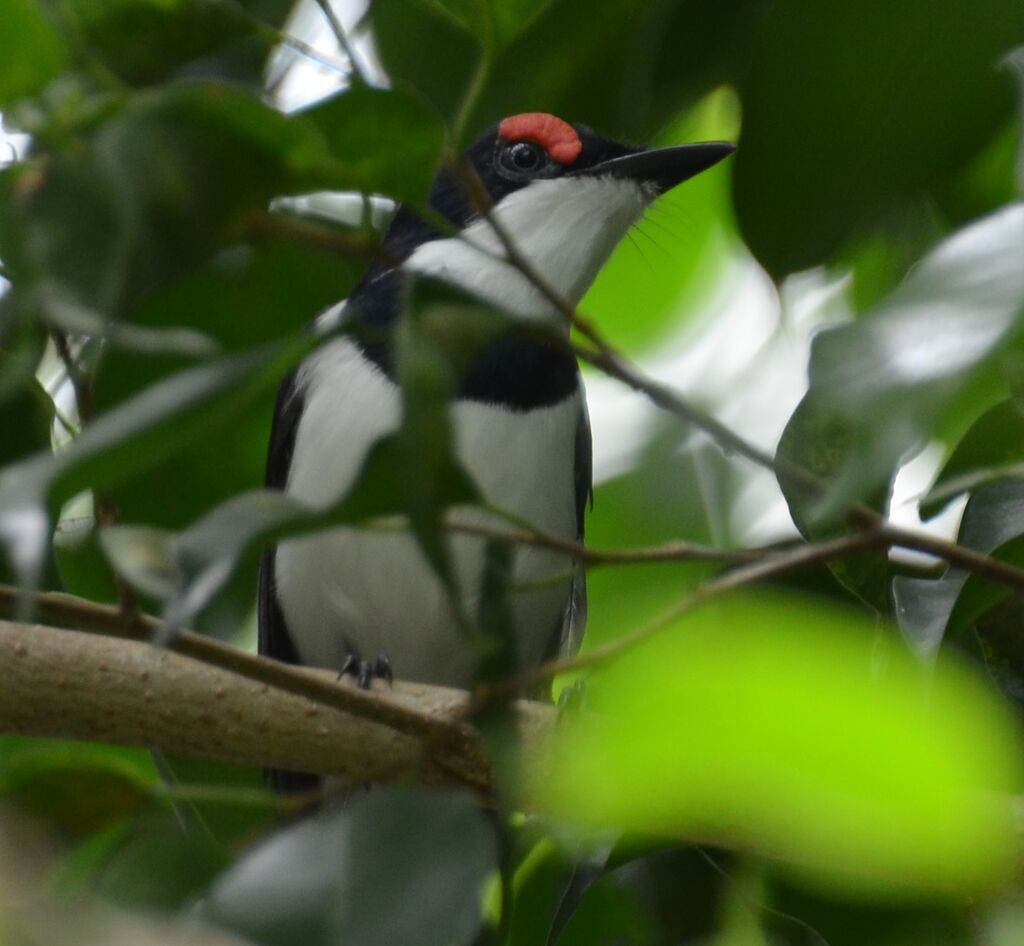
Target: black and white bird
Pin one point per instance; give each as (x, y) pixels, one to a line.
(341, 597)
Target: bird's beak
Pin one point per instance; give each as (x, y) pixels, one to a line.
(663, 168)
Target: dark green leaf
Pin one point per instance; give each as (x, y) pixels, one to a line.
(125, 440)
(818, 442)
(159, 868)
(167, 181)
(79, 787)
(30, 49)
(390, 140)
(423, 47)
(143, 41)
(992, 449)
(397, 866)
(842, 121)
(511, 17)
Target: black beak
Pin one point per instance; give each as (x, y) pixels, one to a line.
(663, 168)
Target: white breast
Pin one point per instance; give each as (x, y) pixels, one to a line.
(374, 591)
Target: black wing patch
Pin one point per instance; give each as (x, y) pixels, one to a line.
(274, 639)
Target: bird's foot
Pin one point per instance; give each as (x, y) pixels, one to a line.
(571, 699)
(365, 671)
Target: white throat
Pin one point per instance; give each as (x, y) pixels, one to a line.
(567, 228)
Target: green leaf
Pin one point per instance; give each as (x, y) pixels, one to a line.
(157, 867)
(125, 440)
(397, 866)
(78, 787)
(816, 442)
(144, 41)
(424, 48)
(511, 17)
(162, 184)
(30, 49)
(842, 122)
(390, 140)
(827, 741)
(880, 385)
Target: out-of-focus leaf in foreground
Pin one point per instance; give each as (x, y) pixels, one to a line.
(797, 732)
(30, 49)
(129, 438)
(389, 138)
(849, 110)
(927, 352)
(398, 866)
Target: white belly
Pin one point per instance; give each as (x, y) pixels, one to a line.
(374, 592)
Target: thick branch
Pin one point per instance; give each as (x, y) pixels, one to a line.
(75, 685)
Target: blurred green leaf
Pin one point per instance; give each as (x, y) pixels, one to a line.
(397, 866)
(78, 787)
(389, 139)
(929, 350)
(827, 742)
(424, 48)
(842, 121)
(25, 412)
(30, 49)
(157, 867)
(125, 440)
(608, 915)
(511, 17)
(143, 41)
(167, 180)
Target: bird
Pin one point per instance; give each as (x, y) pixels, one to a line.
(367, 602)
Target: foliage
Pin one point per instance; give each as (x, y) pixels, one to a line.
(835, 763)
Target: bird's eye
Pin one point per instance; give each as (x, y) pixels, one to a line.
(522, 159)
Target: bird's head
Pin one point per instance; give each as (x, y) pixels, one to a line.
(564, 194)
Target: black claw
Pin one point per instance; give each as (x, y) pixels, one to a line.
(350, 666)
(382, 668)
(364, 670)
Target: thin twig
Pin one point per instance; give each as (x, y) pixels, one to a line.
(985, 566)
(104, 508)
(667, 552)
(340, 34)
(743, 575)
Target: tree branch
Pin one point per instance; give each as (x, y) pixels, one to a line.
(71, 684)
